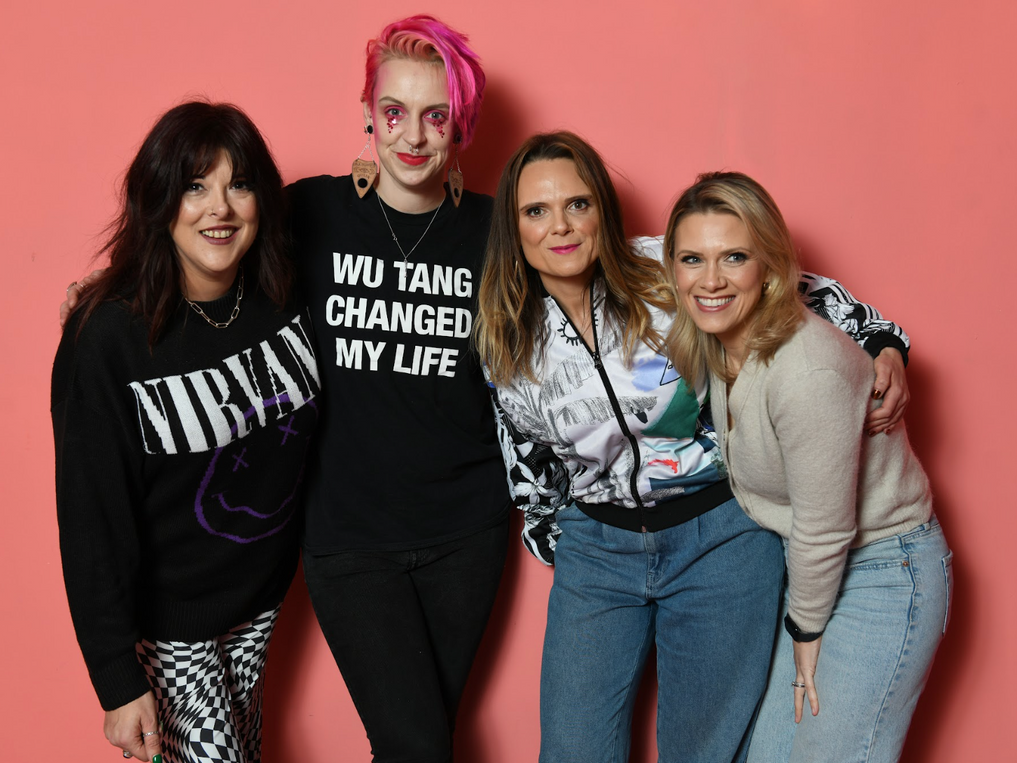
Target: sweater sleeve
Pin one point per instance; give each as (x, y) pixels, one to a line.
(829, 300)
(817, 417)
(97, 486)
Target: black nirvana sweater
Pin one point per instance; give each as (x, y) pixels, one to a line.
(407, 454)
(177, 475)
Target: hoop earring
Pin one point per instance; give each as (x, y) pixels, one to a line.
(455, 174)
(364, 172)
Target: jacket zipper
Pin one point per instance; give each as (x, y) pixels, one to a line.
(595, 354)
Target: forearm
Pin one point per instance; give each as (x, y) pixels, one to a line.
(864, 323)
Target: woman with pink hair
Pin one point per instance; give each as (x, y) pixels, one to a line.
(407, 507)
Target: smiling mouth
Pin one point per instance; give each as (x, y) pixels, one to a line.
(413, 159)
(714, 301)
(564, 249)
(219, 234)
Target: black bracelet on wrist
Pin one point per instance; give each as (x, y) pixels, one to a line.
(796, 633)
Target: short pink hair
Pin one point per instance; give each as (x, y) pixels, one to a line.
(425, 38)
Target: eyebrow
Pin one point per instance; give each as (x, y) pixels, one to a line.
(584, 196)
(397, 102)
(731, 250)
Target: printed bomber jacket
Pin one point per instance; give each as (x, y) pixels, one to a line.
(596, 430)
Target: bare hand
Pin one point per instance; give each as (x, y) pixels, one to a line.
(130, 728)
(74, 292)
(892, 386)
(806, 657)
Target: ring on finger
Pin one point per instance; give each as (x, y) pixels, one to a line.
(150, 733)
(798, 684)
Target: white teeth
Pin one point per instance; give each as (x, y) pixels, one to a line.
(217, 233)
(713, 301)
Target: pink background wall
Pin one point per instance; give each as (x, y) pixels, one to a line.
(886, 131)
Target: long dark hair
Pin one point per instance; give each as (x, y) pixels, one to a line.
(183, 144)
(510, 324)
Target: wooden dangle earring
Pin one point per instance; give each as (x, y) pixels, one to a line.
(364, 172)
(455, 175)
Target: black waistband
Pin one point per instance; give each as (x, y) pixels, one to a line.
(651, 519)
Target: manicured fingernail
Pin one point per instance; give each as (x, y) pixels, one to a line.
(876, 394)
(157, 758)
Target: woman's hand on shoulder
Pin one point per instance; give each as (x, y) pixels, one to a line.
(134, 728)
(74, 291)
(891, 386)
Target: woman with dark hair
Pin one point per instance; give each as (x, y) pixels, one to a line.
(617, 468)
(868, 568)
(183, 401)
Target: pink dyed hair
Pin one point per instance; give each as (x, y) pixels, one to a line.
(425, 38)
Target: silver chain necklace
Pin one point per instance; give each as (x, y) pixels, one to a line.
(236, 307)
(406, 255)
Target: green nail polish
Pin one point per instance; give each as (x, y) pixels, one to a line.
(157, 759)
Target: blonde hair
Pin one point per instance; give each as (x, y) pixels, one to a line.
(511, 322)
(779, 312)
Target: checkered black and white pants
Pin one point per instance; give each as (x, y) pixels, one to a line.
(209, 693)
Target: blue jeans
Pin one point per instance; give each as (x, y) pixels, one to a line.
(889, 617)
(707, 592)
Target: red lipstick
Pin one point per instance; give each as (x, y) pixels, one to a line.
(412, 159)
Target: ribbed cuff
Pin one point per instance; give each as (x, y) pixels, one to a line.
(120, 681)
(876, 343)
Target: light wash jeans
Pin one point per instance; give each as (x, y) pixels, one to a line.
(707, 592)
(889, 617)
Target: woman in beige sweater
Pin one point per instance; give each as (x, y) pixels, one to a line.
(868, 569)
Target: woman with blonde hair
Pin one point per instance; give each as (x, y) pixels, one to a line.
(868, 569)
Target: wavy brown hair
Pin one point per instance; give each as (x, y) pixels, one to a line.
(184, 144)
(779, 312)
(511, 323)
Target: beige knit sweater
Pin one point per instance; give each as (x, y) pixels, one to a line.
(801, 465)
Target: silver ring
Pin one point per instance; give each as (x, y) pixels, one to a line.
(798, 685)
(149, 733)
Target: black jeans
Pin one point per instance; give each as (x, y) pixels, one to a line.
(404, 627)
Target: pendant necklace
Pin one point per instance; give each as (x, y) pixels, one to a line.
(406, 255)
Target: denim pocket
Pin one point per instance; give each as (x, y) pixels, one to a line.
(877, 564)
(948, 574)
